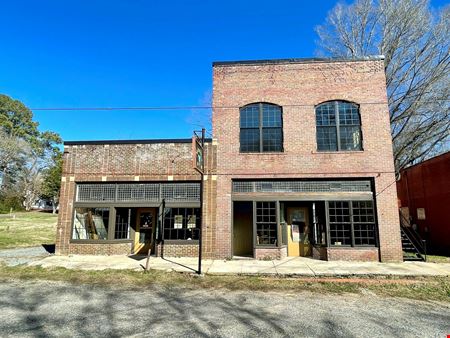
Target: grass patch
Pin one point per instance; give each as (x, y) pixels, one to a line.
(27, 229)
(425, 288)
(438, 259)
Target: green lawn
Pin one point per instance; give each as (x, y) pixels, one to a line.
(27, 229)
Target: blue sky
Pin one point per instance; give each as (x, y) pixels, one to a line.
(139, 53)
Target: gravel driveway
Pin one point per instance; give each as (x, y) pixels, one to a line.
(51, 309)
(12, 257)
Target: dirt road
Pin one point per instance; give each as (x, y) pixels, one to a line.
(51, 309)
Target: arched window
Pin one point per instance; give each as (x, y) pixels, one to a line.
(261, 128)
(338, 126)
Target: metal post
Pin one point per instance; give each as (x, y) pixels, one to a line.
(162, 226)
(201, 207)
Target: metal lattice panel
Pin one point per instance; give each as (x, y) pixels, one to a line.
(96, 192)
(138, 192)
(181, 191)
(301, 186)
(132, 192)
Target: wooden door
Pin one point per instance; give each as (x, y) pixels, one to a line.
(145, 230)
(299, 230)
(243, 229)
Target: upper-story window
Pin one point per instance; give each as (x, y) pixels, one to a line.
(338, 126)
(261, 127)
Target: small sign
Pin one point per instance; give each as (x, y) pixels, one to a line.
(178, 222)
(198, 153)
(421, 214)
(191, 222)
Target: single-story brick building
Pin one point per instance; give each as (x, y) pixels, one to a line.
(300, 164)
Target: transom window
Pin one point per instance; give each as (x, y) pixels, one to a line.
(338, 126)
(261, 127)
(352, 223)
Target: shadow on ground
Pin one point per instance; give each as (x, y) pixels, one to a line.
(42, 309)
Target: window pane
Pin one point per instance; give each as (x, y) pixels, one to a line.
(350, 138)
(363, 222)
(266, 223)
(182, 223)
(340, 223)
(326, 115)
(348, 114)
(271, 116)
(124, 218)
(91, 223)
(326, 138)
(250, 116)
(249, 140)
(272, 140)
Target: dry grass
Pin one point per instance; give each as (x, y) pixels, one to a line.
(27, 229)
(438, 259)
(430, 288)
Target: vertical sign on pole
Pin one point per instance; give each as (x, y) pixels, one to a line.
(198, 147)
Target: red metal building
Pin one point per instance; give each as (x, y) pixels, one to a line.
(424, 195)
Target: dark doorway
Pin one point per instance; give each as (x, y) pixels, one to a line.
(243, 229)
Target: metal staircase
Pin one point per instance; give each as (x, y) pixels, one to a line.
(414, 247)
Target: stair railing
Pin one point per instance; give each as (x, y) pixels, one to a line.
(418, 243)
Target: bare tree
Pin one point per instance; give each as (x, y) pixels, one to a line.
(415, 41)
(30, 182)
(13, 153)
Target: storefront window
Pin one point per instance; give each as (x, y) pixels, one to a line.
(91, 223)
(123, 221)
(266, 223)
(182, 223)
(352, 223)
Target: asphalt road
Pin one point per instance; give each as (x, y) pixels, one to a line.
(54, 309)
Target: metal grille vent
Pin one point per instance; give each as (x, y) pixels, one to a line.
(96, 192)
(131, 192)
(138, 192)
(181, 191)
(301, 186)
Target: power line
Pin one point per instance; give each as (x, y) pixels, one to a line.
(188, 107)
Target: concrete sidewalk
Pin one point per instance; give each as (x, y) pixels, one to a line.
(291, 266)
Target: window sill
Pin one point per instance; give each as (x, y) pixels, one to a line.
(264, 153)
(337, 152)
(100, 241)
(180, 242)
(348, 247)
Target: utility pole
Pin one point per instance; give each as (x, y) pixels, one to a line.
(199, 165)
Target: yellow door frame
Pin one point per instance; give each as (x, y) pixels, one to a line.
(142, 248)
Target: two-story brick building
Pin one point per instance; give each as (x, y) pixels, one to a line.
(300, 164)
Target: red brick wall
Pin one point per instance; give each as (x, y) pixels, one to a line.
(427, 185)
(347, 254)
(100, 249)
(134, 163)
(298, 87)
(178, 250)
(270, 253)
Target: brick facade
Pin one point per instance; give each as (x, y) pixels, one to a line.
(130, 162)
(177, 250)
(298, 87)
(295, 85)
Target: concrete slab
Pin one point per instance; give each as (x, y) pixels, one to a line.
(297, 266)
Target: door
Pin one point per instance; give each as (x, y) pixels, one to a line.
(299, 231)
(243, 229)
(145, 230)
